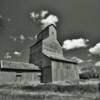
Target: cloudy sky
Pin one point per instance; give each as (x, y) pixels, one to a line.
(77, 22)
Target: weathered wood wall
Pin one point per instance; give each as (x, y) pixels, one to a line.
(18, 72)
(51, 45)
(6, 77)
(46, 74)
(36, 54)
(64, 71)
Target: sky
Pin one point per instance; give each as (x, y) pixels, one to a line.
(77, 22)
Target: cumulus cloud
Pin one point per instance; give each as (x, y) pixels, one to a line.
(1, 16)
(97, 63)
(8, 19)
(35, 16)
(30, 38)
(35, 36)
(17, 53)
(43, 19)
(79, 60)
(13, 38)
(22, 37)
(51, 19)
(40, 15)
(44, 13)
(5, 18)
(95, 49)
(7, 55)
(75, 43)
(89, 60)
(89, 55)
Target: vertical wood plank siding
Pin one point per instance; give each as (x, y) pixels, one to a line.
(64, 71)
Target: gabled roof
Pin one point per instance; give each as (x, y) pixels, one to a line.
(43, 31)
(47, 28)
(17, 66)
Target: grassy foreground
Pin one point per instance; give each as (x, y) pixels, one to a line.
(84, 90)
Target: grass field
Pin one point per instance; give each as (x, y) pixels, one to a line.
(84, 90)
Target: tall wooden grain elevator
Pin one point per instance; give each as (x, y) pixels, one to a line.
(47, 53)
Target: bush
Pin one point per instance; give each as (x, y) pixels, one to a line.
(88, 75)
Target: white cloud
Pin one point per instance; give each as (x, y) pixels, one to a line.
(32, 14)
(7, 55)
(51, 19)
(8, 19)
(97, 63)
(35, 36)
(44, 13)
(75, 43)
(95, 49)
(35, 16)
(13, 38)
(89, 55)
(22, 37)
(79, 60)
(17, 53)
(89, 60)
(40, 18)
(1, 16)
(40, 15)
(30, 38)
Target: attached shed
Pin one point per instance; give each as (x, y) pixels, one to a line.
(18, 72)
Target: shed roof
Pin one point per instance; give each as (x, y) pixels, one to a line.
(17, 66)
(58, 57)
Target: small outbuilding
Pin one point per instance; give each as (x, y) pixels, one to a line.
(18, 72)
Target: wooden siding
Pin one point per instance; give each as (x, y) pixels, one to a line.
(43, 34)
(36, 54)
(52, 47)
(46, 74)
(10, 77)
(64, 71)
